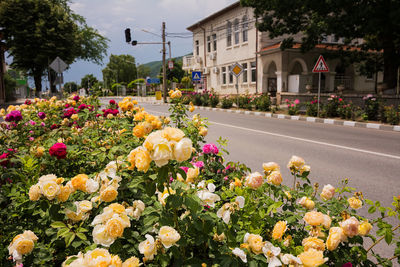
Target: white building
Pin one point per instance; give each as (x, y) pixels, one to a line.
(229, 36)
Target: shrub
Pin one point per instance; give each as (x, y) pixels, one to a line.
(263, 102)
(227, 102)
(213, 99)
(293, 106)
(312, 108)
(345, 110)
(392, 116)
(371, 107)
(332, 105)
(245, 101)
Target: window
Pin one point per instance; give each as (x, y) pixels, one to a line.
(223, 75)
(244, 74)
(253, 71)
(236, 30)
(245, 28)
(197, 47)
(208, 44)
(214, 38)
(230, 75)
(228, 33)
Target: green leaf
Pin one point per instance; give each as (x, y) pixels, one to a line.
(69, 238)
(388, 236)
(372, 209)
(63, 232)
(58, 224)
(81, 236)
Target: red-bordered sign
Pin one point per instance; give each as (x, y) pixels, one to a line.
(321, 65)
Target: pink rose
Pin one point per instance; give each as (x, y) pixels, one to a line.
(254, 180)
(58, 150)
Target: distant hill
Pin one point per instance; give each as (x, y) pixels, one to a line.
(155, 66)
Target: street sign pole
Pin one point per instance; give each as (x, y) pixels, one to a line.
(237, 91)
(319, 91)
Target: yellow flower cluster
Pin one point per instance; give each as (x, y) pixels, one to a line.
(175, 94)
(200, 125)
(109, 182)
(22, 244)
(110, 224)
(127, 104)
(167, 237)
(162, 146)
(99, 257)
(147, 124)
(51, 187)
(82, 211)
(297, 165)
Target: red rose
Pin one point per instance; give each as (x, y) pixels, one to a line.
(58, 150)
(3, 159)
(112, 102)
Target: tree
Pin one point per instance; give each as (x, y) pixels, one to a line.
(143, 71)
(373, 21)
(36, 32)
(120, 69)
(88, 81)
(177, 72)
(70, 87)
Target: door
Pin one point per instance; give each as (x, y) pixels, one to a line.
(271, 85)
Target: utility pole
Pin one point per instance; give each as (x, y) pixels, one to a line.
(164, 68)
(2, 70)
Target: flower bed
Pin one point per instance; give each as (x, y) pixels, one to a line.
(120, 187)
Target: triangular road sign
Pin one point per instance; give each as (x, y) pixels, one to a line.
(320, 66)
(196, 76)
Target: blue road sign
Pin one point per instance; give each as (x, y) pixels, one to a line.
(152, 80)
(196, 75)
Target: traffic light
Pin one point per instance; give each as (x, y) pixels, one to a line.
(134, 42)
(128, 35)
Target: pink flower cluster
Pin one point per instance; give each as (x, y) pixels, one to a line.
(76, 98)
(69, 112)
(210, 149)
(14, 115)
(42, 115)
(110, 111)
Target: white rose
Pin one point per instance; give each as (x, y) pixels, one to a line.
(91, 186)
(208, 198)
(49, 189)
(240, 253)
(168, 236)
(101, 237)
(148, 247)
(161, 154)
(97, 257)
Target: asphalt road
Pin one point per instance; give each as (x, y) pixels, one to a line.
(369, 158)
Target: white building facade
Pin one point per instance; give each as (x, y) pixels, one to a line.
(229, 36)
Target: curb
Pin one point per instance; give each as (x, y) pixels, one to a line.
(367, 125)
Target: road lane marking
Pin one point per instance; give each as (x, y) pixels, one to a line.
(299, 139)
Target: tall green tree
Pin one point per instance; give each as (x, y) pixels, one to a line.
(36, 32)
(71, 87)
(143, 71)
(120, 69)
(88, 81)
(177, 72)
(376, 22)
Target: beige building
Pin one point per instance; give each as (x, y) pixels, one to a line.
(229, 36)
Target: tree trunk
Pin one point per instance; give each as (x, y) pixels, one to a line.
(52, 79)
(37, 77)
(390, 67)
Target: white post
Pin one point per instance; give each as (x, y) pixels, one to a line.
(319, 91)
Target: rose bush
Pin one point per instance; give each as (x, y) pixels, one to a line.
(128, 188)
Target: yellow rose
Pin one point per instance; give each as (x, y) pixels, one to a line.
(117, 208)
(275, 178)
(364, 228)
(148, 248)
(192, 174)
(108, 194)
(79, 182)
(49, 189)
(355, 203)
(203, 131)
(183, 150)
(314, 218)
(85, 206)
(192, 108)
(24, 245)
(270, 167)
(139, 131)
(336, 235)
(110, 116)
(350, 226)
(170, 92)
(168, 236)
(327, 192)
(307, 203)
(313, 242)
(279, 229)
(34, 192)
(327, 221)
(39, 151)
(305, 168)
(254, 180)
(255, 242)
(131, 262)
(312, 258)
(173, 134)
(116, 261)
(114, 227)
(176, 94)
(76, 217)
(98, 257)
(139, 158)
(295, 163)
(2, 112)
(74, 117)
(65, 192)
(167, 120)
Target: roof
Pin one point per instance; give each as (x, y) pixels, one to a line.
(332, 47)
(213, 16)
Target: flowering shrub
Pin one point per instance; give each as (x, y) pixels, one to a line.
(134, 190)
(262, 102)
(293, 106)
(371, 107)
(312, 108)
(392, 115)
(227, 102)
(330, 109)
(245, 101)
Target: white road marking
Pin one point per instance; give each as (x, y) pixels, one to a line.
(299, 139)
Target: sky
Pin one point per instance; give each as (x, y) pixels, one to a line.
(112, 17)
